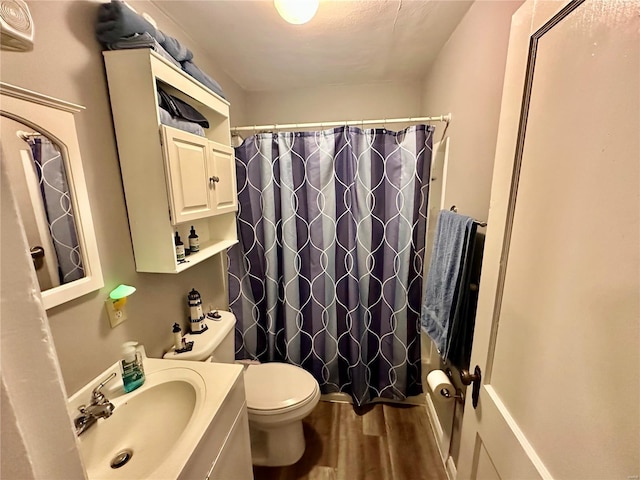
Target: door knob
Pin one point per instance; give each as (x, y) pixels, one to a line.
(37, 252)
(468, 378)
(37, 256)
(214, 179)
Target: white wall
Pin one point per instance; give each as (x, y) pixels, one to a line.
(67, 63)
(334, 103)
(466, 79)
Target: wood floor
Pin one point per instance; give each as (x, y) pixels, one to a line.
(377, 442)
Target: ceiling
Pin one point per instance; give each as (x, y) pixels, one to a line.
(347, 42)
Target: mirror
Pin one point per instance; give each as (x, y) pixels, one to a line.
(41, 156)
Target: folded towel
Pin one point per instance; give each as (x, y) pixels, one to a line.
(167, 119)
(179, 109)
(441, 301)
(202, 77)
(117, 21)
(176, 49)
(142, 40)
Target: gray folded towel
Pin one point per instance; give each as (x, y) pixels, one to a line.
(176, 49)
(117, 21)
(202, 77)
(167, 119)
(142, 40)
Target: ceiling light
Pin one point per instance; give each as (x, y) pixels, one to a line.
(297, 11)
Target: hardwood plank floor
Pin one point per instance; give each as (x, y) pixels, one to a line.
(376, 442)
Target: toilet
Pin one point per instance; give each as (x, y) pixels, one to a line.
(279, 395)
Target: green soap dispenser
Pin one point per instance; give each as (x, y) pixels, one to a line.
(132, 369)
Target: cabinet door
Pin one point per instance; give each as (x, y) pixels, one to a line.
(234, 461)
(223, 178)
(187, 166)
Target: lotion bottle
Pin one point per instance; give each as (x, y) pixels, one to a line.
(132, 369)
(179, 248)
(194, 241)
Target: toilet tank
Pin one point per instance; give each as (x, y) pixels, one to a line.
(216, 344)
(225, 352)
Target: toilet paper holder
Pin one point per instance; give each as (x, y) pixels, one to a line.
(458, 396)
(446, 394)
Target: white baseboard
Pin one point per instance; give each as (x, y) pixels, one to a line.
(450, 468)
(441, 438)
(434, 421)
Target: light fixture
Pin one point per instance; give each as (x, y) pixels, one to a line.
(116, 302)
(297, 11)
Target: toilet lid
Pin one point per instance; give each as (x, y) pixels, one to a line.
(272, 386)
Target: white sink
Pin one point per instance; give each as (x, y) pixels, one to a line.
(159, 424)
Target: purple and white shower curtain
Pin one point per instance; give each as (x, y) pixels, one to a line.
(327, 274)
(54, 189)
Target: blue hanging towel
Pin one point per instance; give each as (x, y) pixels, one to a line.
(442, 297)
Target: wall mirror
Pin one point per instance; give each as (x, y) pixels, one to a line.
(41, 155)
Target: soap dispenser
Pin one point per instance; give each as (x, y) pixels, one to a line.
(132, 369)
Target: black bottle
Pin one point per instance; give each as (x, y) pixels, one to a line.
(179, 248)
(194, 241)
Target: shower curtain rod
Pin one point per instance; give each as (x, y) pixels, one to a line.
(441, 118)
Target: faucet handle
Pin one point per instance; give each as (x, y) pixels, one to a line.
(96, 395)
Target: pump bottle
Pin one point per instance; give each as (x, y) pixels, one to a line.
(132, 369)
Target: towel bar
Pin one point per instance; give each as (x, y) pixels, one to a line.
(455, 210)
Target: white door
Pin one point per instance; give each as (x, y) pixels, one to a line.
(223, 178)
(187, 169)
(557, 329)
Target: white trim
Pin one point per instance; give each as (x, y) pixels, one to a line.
(39, 98)
(439, 434)
(55, 119)
(450, 468)
(517, 432)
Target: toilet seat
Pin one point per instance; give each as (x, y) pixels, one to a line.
(278, 388)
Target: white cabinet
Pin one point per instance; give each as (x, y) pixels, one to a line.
(187, 167)
(223, 178)
(172, 179)
(224, 451)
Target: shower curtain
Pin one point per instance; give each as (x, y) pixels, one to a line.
(58, 207)
(327, 274)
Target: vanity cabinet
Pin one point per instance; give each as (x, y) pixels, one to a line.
(224, 451)
(172, 179)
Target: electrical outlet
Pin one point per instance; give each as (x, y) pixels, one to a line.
(116, 316)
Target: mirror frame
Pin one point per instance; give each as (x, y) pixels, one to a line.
(55, 119)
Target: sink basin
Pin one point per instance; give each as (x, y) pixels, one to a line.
(146, 423)
(154, 429)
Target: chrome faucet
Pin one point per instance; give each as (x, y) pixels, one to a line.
(100, 407)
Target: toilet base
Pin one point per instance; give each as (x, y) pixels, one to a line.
(276, 446)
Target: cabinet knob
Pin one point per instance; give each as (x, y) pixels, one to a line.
(214, 179)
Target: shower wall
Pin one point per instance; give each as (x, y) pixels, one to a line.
(335, 103)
